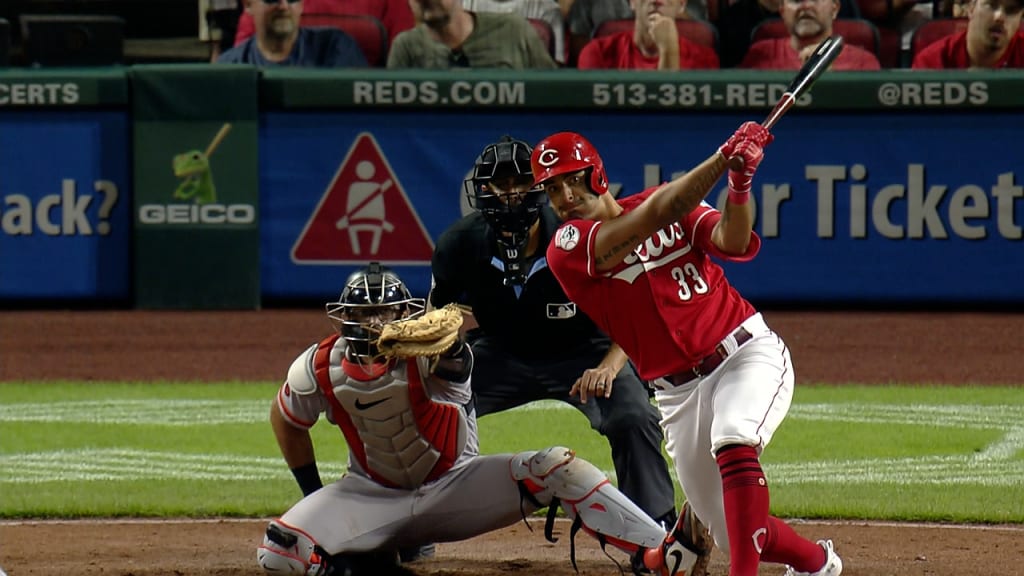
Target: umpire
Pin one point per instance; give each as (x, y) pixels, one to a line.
(531, 342)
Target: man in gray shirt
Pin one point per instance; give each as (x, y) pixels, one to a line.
(447, 36)
(543, 10)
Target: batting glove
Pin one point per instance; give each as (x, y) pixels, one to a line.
(749, 131)
(740, 181)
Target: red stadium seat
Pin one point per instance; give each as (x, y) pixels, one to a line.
(878, 11)
(547, 36)
(367, 31)
(855, 31)
(932, 31)
(696, 31)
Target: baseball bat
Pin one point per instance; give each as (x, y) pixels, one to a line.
(218, 138)
(813, 68)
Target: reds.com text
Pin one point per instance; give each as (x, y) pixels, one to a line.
(457, 93)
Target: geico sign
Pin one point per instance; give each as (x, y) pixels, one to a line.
(197, 214)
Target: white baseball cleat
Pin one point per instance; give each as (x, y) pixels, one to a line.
(833, 564)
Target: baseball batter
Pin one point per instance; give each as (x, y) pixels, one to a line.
(641, 268)
(415, 473)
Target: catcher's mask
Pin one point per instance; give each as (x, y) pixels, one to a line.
(371, 298)
(502, 189)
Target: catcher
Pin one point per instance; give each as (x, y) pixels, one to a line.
(396, 382)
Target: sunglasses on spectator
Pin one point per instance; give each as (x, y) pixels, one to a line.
(272, 2)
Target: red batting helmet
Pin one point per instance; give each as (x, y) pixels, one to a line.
(567, 152)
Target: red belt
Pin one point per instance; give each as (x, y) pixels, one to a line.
(710, 362)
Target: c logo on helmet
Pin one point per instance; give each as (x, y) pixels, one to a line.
(548, 158)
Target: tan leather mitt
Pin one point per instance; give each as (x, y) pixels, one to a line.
(429, 335)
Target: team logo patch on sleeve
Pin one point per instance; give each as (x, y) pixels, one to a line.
(568, 238)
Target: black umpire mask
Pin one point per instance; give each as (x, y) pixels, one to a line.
(501, 189)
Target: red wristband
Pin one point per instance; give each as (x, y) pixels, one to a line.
(739, 198)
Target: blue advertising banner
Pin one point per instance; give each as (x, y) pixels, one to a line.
(852, 208)
(64, 205)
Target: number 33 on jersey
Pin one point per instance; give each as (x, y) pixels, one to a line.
(675, 267)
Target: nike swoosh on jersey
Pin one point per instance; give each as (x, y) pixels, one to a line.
(368, 405)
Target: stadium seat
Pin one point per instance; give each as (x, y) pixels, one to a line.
(878, 11)
(368, 32)
(697, 31)
(933, 30)
(72, 39)
(855, 31)
(5, 42)
(547, 36)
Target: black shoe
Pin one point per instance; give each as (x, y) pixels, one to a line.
(413, 554)
(667, 520)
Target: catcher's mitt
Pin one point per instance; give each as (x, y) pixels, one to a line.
(429, 335)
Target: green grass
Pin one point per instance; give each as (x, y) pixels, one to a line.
(186, 449)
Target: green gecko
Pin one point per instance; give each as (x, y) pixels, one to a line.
(194, 167)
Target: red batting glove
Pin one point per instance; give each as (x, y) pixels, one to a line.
(740, 181)
(749, 131)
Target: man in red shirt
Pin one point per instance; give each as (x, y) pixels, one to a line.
(992, 39)
(395, 15)
(640, 267)
(654, 43)
(809, 23)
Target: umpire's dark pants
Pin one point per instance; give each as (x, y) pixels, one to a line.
(628, 419)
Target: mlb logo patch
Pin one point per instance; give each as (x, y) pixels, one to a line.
(561, 311)
(568, 237)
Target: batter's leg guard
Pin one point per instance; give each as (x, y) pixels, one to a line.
(290, 551)
(586, 495)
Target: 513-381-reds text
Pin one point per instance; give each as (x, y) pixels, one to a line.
(690, 95)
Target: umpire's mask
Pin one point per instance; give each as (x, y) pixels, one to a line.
(501, 188)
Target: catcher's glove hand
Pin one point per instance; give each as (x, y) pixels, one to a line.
(429, 335)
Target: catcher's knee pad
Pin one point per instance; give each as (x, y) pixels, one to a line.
(585, 492)
(287, 550)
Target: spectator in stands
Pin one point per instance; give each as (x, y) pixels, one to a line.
(992, 39)
(395, 15)
(809, 22)
(739, 19)
(447, 36)
(545, 10)
(653, 44)
(280, 41)
(585, 16)
(582, 17)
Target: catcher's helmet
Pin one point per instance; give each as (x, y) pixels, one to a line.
(371, 298)
(567, 152)
(505, 162)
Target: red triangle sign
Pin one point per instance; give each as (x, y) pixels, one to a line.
(364, 215)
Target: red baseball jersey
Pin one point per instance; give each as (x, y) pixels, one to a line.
(778, 54)
(620, 52)
(951, 52)
(667, 304)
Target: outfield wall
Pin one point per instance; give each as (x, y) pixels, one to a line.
(222, 187)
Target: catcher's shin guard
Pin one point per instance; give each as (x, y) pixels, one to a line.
(685, 551)
(287, 550)
(587, 497)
